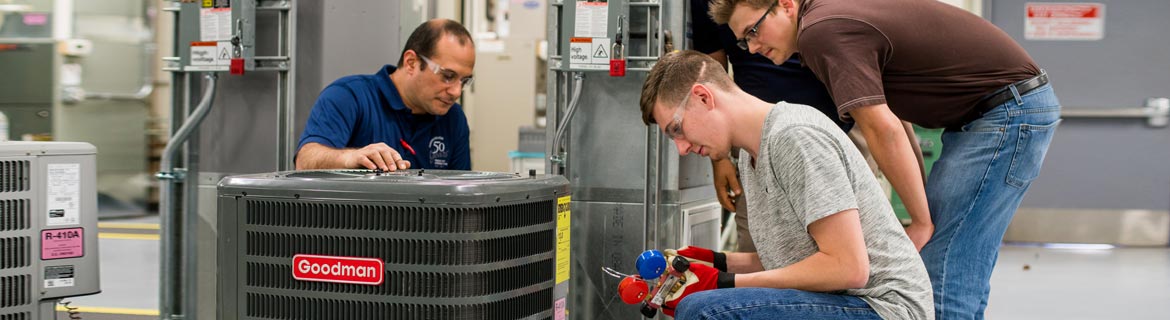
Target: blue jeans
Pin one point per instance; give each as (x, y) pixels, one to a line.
(769, 304)
(974, 190)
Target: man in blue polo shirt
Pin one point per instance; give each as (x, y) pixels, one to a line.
(399, 117)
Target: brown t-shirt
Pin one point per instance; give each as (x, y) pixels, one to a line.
(929, 61)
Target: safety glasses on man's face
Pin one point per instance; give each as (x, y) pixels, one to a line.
(754, 31)
(448, 76)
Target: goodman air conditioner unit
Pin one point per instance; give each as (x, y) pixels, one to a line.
(48, 226)
(414, 244)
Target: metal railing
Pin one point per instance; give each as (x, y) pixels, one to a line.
(1156, 112)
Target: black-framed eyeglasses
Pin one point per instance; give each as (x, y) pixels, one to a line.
(754, 31)
(448, 76)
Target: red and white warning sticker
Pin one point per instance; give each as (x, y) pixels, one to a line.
(1064, 21)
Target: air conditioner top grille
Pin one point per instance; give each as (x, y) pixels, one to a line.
(415, 186)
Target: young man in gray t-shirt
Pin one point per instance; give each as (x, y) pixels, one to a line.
(829, 245)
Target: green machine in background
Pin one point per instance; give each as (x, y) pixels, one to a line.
(931, 142)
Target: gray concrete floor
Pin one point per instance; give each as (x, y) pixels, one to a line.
(1029, 282)
(1044, 283)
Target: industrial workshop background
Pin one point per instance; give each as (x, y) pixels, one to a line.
(118, 75)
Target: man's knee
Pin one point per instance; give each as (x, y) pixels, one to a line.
(698, 306)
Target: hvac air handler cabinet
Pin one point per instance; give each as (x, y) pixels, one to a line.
(413, 244)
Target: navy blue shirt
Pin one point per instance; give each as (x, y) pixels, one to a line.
(756, 74)
(359, 110)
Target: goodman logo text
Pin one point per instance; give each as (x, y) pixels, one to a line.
(352, 270)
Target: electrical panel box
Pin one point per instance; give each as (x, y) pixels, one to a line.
(215, 35)
(602, 35)
(48, 226)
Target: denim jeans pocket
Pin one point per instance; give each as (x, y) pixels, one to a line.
(1031, 147)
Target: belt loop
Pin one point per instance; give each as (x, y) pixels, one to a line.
(1016, 94)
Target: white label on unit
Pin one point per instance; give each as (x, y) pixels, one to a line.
(204, 54)
(215, 24)
(63, 194)
(600, 52)
(591, 20)
(223, 53)
(1064, 21)
(581, 54)
(58, 283)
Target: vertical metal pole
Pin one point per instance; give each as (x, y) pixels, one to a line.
(288, 148)
(169, 305)
(189, 214)
(281, 89)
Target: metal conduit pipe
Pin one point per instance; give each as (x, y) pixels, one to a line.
(558, 156)
(171, 246)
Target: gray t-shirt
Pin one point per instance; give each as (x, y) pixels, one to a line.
(807, 170)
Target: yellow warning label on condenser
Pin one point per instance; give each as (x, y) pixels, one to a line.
(208, 3)
(564, 229)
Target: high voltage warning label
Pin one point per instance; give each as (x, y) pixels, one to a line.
(589, 53)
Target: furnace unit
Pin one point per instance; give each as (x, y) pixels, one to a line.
(356, 244)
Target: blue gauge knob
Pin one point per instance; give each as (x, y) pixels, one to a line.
(651, 264)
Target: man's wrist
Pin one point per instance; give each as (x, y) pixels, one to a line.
(719, 260)
(725, 280)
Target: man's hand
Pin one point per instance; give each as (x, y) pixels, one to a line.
(920, 233)
(375, 156)
(700, 255)
(726, 182)
(698, 278)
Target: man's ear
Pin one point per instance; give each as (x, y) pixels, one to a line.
(410, 62)
(706, 95)
(789, 7)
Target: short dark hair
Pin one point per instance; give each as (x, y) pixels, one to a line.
(673, 75)
(427, 34)
(721, 10)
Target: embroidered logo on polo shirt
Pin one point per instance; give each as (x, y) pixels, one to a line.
(438, 152)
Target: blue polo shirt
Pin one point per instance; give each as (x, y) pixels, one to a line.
(359, 110)
(756, 74)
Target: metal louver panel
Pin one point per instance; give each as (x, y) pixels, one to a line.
(280, 307)
(14, 291)
(14, 252)
(16, 316)
(14, 176)
(402, 251)
(452, 244)
(417, 284)
(398, 218)
(14, 215)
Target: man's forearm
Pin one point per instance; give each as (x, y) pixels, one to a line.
(818, 273)
(317, 156)
(891, 148)
(743, 262)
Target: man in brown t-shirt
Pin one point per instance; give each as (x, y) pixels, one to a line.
(937, 66)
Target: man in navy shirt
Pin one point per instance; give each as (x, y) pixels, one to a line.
(399, 117)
